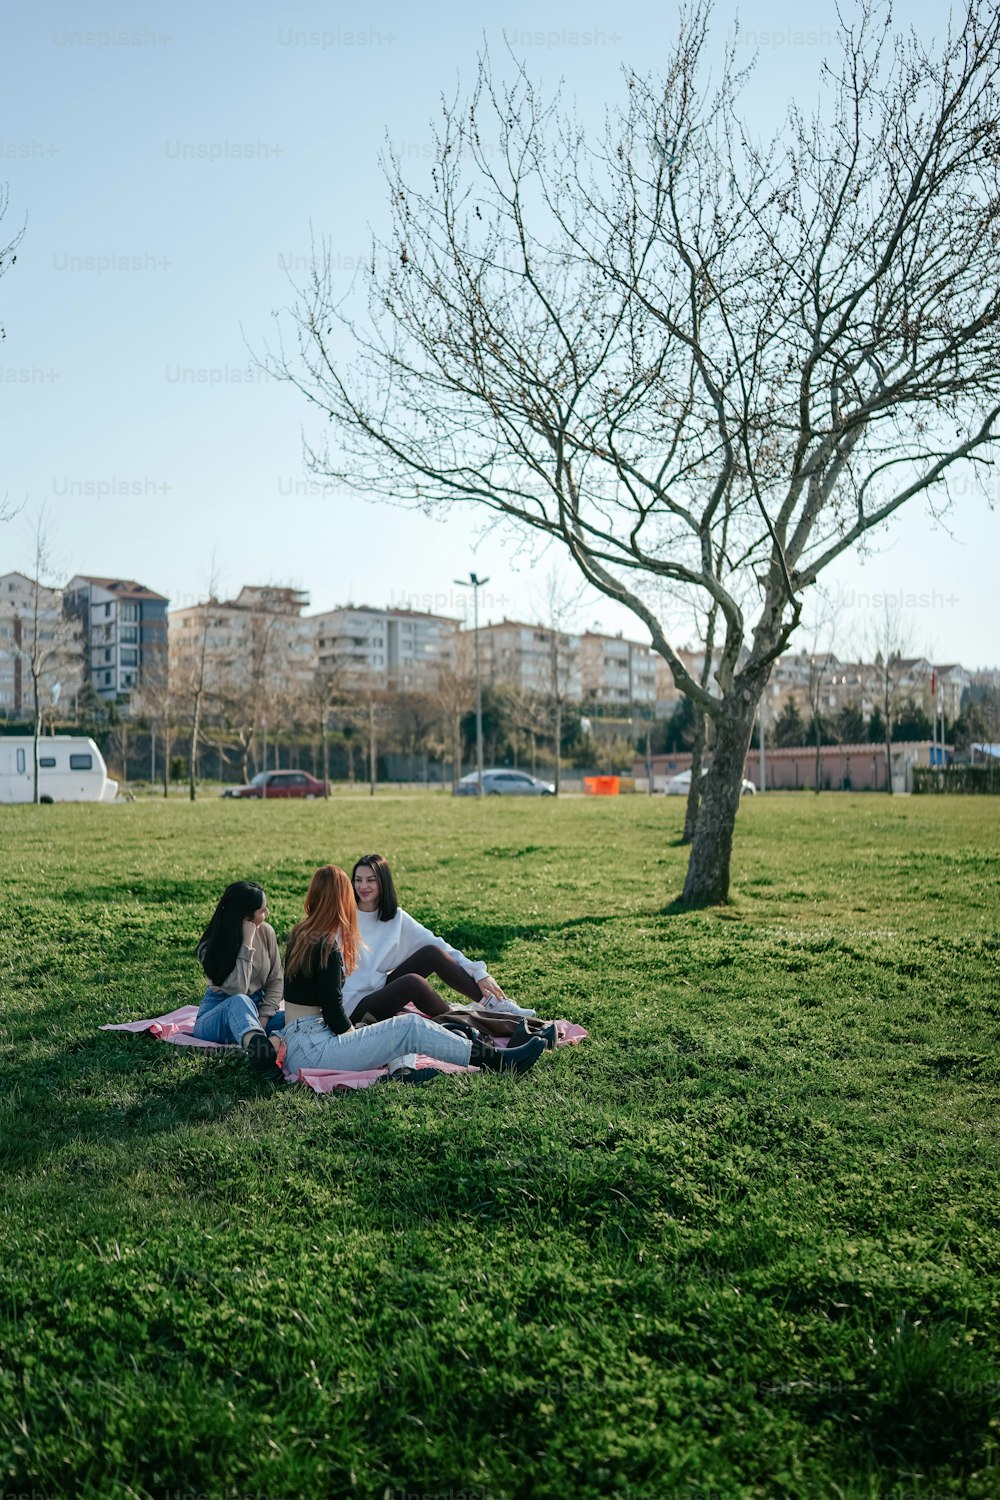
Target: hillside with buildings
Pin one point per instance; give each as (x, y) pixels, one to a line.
(399, 682)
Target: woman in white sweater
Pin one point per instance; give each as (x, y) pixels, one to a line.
(397, 954)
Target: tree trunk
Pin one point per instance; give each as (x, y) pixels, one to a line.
(167, 747)
(816, 731)
(193, 753)
(372, 748)
(558, 743)
(38, 730)
(695, 789)
(888, 759)
(707, 880)
(325, 739)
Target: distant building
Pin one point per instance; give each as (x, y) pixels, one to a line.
(60, 640)
(616, 672)
(260, 634)
(124, 626)
(533, 658)
(399, 648)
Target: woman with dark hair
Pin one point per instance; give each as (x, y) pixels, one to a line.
(399, 953)
(239, 954)
(321, 951)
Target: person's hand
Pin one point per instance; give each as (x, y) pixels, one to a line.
(249, 929)
(489, 986)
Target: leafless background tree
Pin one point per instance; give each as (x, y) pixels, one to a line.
(888, 644)
(640, 344)
(46, 641)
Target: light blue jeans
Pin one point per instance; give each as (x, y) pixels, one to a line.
(228, 1018)
(311, 1044)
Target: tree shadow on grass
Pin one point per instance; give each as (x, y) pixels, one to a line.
(490, 940)
(73, 1100)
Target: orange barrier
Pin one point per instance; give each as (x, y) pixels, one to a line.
(601, 786)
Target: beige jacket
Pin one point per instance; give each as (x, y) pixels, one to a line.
(258, 968)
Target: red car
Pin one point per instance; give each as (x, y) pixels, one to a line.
(279, 784)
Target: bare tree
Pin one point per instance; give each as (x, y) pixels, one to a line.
(193, 667)
(8, 258)
(416, 716)
(157, 700)
(557, 615)
(455, 693)
(321, 696)
(628, 344)
(46, 640)
(821, 663)
(889, 640)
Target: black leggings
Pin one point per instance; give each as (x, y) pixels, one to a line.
(408, 984)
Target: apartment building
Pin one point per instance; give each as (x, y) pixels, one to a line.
(400, 648)
(124, 627)
(617, 673)
(831, 684)
(532, 658)
(260, 635)
(59, 642)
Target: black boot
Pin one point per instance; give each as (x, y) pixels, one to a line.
(506, 1059)
(549, 1034)
(261, 1057)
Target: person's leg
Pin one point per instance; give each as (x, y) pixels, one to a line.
(433, 960)
(225, 1018)
(395, 996)
(310, 1044)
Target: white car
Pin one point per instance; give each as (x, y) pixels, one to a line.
(500, 782)
(680, 785)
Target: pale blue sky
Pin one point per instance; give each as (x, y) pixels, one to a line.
(123, 137)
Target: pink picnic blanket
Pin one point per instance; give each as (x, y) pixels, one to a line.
(177, 1027)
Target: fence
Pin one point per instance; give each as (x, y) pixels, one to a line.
(965, 780)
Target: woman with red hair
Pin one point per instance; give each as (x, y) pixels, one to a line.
(322, 949)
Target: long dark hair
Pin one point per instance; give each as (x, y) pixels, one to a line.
(223, 937)
(388, 903)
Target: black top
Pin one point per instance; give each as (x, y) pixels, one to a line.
(323, 988)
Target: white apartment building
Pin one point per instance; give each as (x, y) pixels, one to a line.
(259, 633)
(833, 684)
(533, 658)
(60, 646)
(399, 648)
(124, 626)
(617, 673)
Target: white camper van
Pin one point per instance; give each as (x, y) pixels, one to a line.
(70, 769)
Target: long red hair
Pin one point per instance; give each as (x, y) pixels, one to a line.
(331, 922)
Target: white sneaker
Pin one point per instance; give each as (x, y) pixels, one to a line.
(505, 1007)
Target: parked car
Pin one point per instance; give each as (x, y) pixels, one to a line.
(680, 785)
(501, 782)
(279, 784)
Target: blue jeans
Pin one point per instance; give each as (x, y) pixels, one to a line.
(228, 1018)
(311, 1044)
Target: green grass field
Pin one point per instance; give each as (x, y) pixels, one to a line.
(743, 1241)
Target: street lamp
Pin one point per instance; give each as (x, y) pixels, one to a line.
(477, 584)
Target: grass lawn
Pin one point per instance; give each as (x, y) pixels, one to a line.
(743, 1241)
